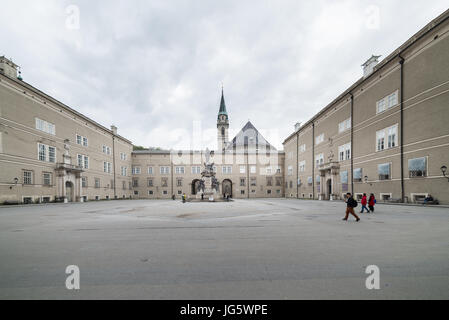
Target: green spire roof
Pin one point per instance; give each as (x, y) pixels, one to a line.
(222, 106)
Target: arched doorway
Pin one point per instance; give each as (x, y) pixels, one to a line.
(227, 187)
(329, 189)
(69, 191)
(195, 185)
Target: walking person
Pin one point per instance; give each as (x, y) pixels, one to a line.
(371, 202)
(364, 203)
(350, 205)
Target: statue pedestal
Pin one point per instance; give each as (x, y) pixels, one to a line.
(208, 192)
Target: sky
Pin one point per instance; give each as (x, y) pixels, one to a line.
(155, 69)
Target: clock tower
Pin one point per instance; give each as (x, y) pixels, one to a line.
(222, 125)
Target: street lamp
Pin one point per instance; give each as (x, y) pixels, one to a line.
(443, 170)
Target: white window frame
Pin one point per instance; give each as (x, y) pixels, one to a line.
(383, 141)
(150, 170)
(45, 126)
(180, 170)
(164, 170)
(290, 170)
(344, 125)
(136, 170)
(387, 102)
(302, 148)
(319, 139)
(226, 169)
(319, 159)
(242, 169)
(302, 166)
(344, 152)
(253, 169)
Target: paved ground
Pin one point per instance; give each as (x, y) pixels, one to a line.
(247, 249)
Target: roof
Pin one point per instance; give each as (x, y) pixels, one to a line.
(248, 136)
(395, 54)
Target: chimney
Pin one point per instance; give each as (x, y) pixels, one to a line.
(368, 66)
(297, 126)
(114, 129)
(9, 68)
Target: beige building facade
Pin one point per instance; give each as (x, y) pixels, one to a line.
(388, 134)
(49, 152)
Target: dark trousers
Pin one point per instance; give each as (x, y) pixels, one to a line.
(363, 208)
(371, 208)
(350, 210)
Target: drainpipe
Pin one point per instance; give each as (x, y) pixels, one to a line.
(352, 142)
(297, 163)
(313, 160)
(113, 165)
(401, 62)
(247, 174)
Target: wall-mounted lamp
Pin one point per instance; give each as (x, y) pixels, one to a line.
(365, 178)
(443, 170)
(16, 180)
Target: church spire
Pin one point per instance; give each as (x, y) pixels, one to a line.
(222, 110)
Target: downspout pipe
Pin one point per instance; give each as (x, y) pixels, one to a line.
(297, 163)
(313, 160)
(352, 142)
(401, 62)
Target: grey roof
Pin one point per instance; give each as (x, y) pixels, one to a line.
(249, 136)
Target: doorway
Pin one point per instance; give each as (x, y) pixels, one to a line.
(227, 187)
(329, 189)
(69, 191)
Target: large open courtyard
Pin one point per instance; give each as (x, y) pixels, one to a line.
(245, 249)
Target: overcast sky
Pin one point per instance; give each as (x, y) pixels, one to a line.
(155, 68)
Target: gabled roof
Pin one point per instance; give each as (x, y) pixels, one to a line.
(250, 136)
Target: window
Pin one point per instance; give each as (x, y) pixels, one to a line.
(387, 138)
(268, 191)
(302, 166)
(309, 180)
(179, 182)
(42, 154)
(122, 156)
(242, 182)
(268, 170)
(302, 148)
(135, 170)
(344, 125)
(51, 154)
(78, 139)
(150, 170)
(123, 171)
(124, 185)
(417, 167)
(86, 162)
(290, 170)
(242, 169)
(358, 175)
(45, 126)
(269, 181)
(80, 160)
(81, 140)
(253, 169)
(97, 183)
(84, 182)
(278, 170)
(135, 182)
(242, 191)
(196, 170)
(165, 192)
(318, 179)
(319, 160)
(164, 182)
(344, 152)
(253, 181)
(150, 192)
(319, 139)
(179, 170)
(165, 170)
(226, 169)
(85, 141)
(384, 171)
(46, 177)
(387, 102)
(106, 150)
(106, 167)
(150, 182)
(344, 176)
(291, 184)
(46, 153)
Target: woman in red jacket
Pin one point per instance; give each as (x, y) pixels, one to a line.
(364, 202)
(371, 202)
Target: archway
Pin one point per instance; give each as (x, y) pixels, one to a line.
(227, 187)
(195, 185)
(69, 191)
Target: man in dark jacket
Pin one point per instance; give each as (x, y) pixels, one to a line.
(350, 205)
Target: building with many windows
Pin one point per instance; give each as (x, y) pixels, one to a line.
(387, 134)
